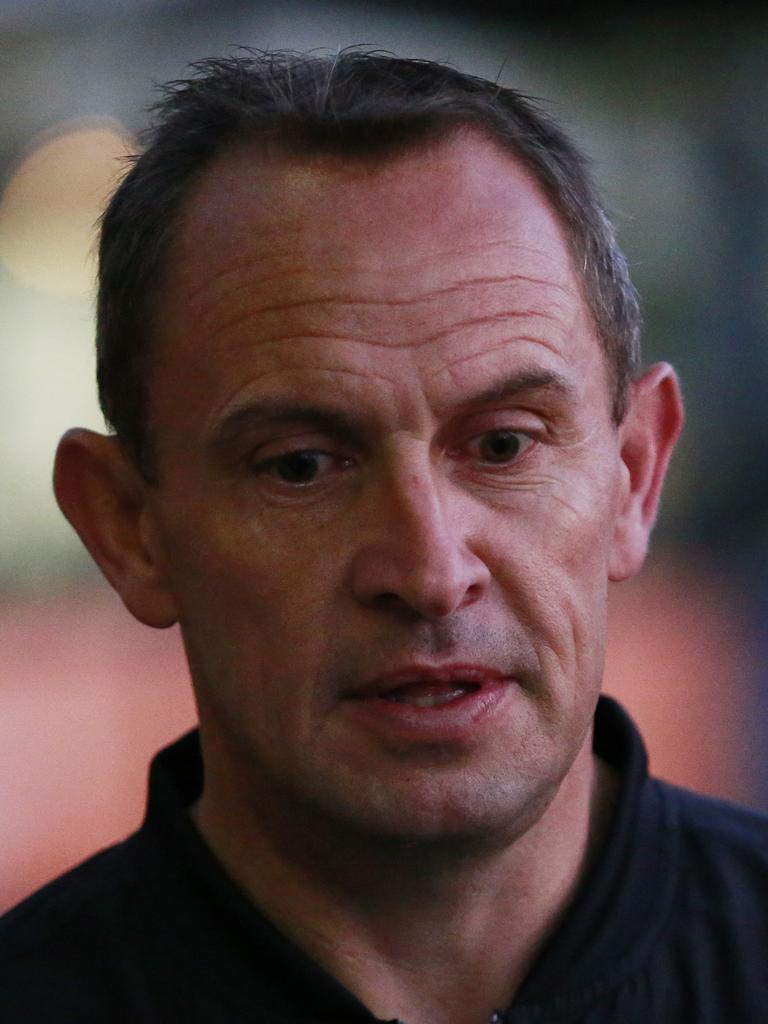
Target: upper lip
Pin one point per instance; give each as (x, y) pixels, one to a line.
(463, 672)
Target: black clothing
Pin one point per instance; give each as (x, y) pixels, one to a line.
(670, 926)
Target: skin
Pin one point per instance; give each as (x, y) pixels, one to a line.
(417, 872)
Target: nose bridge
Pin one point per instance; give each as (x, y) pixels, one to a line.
(415, 543)
(423, 507)
(414, 496)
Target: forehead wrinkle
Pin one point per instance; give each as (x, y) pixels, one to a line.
(307, 368)
(411, 300)
(220, 283)
(462, 251)
(413, 343)
(236, 320)
(467, 249)
(448, 367)
(379, 272)
(476, 321)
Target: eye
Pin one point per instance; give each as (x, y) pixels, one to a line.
(298, 467)
(502, 446)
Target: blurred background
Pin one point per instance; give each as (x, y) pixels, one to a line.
(674, 111)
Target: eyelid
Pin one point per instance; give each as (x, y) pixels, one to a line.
(266, 451)
(258, 461)
(266, 467)
(529, 439)
(519, 418)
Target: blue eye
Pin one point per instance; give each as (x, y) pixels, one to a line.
(503, 445)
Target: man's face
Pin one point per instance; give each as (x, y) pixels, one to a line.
(385, 446)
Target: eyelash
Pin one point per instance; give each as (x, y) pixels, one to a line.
(270, 465)
(514, 433)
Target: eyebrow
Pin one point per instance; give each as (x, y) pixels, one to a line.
(345, 426)
(521, 383)
(348, 424)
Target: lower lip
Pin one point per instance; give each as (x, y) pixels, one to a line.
(456, 720)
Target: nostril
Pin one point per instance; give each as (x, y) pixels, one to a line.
(399, 606)
(432, 581)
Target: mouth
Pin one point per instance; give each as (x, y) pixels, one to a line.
(430, 703)
(428, 695)
(429, 684)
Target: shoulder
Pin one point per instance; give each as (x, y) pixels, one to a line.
(718, 825)
(70, 926)
(723, 856)
(62, 900)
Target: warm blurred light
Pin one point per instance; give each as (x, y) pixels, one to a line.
(49, 208)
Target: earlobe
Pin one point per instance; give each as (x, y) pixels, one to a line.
(648, 435)
(105, 499)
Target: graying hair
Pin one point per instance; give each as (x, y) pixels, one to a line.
(358, 105)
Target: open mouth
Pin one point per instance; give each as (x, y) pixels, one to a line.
(422, 686)
(431, 704)
(429, 695)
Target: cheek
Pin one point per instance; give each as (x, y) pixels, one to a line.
(554, 574)
(243, 557)
(258, 609)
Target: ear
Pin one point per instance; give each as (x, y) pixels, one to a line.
(105, 498)
(647, 437)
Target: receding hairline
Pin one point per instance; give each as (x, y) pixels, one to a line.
(362, 108)
(278, 161)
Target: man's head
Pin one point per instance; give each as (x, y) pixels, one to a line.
(362, 107)
(390, 483)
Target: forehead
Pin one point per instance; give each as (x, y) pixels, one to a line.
(434, 259)
(447, 200)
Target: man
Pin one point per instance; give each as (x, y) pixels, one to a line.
(369, 351)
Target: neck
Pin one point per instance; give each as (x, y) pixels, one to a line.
(416, 930)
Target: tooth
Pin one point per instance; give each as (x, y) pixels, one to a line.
(434, 699)
(403, 695)
(427, 702)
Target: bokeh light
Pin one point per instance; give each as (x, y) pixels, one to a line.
(50, 206)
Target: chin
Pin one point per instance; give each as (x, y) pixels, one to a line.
(455, 811)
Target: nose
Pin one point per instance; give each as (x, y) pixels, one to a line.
(415, 553)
